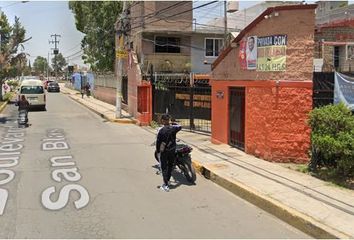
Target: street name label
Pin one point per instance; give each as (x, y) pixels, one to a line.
(64, 170)
(9, 157)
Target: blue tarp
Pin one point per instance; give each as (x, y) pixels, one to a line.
(344, 90)
(79, 80)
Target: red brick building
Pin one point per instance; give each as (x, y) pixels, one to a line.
(264, 109)
(334, 36)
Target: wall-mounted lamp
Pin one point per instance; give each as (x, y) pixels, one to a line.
(266, 16)
(276, 14)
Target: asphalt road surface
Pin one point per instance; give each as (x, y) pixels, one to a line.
(71, 174)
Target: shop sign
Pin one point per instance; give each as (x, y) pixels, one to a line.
(264, 54)
(199, 101)
(242, 54)
(271, 53)
(248, 53)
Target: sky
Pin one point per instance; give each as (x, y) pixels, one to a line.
(42, 19)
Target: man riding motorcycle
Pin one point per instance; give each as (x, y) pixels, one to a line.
(23, 106)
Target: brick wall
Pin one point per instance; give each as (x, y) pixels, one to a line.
(277, 128)
(105, 94)
(277, 104)
(334, 34)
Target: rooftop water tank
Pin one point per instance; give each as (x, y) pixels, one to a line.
(232, 6)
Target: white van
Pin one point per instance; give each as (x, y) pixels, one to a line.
(34, 92)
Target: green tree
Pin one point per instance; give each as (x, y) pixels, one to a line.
(12, 37)
(58, 63)
(96, 20)
(40, 65)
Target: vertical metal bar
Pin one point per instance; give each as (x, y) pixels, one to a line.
(191, 94)
(225, 24)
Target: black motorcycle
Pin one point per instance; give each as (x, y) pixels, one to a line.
(22, 119)
(183, 161)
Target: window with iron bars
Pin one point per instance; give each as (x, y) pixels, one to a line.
(167, 44)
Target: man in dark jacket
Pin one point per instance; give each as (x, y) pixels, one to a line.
(23, 104)
(166, 146)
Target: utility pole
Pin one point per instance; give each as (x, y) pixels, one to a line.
(48, 68)
(120, 54)
(225, 23)
(56, 51)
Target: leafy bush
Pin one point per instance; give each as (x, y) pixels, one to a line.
(332, 139)
(13, 84)
(7, 96)
(154, 124)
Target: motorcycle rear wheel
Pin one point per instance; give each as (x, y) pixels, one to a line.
(189, 172)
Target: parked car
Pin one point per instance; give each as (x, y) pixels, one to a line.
(53, 87)
(46, 83)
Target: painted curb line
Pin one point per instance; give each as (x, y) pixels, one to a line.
(289, 215)
(2, 107)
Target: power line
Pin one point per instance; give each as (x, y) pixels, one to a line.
(71, 59)
(74, 53)
(77, 45)
(74, 57)
(173, 45)
(155, 13)
(203, 5)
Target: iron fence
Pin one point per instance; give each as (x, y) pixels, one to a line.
(186, 99)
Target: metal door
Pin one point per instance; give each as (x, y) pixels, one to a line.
(237, 117)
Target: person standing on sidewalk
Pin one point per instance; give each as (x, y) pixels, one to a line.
(88, 89)
(82, 91)
(166, 146)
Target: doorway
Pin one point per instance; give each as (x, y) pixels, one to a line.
(237, 117)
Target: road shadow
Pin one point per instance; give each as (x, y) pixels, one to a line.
(8, 116)
(177, 178)
(37, 109)
(6, 119)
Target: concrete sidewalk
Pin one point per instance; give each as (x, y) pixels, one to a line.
(313, 206)
(103, 109)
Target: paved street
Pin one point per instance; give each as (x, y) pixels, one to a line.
(79, 176)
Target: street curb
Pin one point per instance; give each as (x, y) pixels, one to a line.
(121, 120)
(124, 120)
(2, 107)
(291, 216)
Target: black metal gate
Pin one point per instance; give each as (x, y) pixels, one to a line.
(188, 101)
(125, 89)
(237, 117)
(323, 88)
